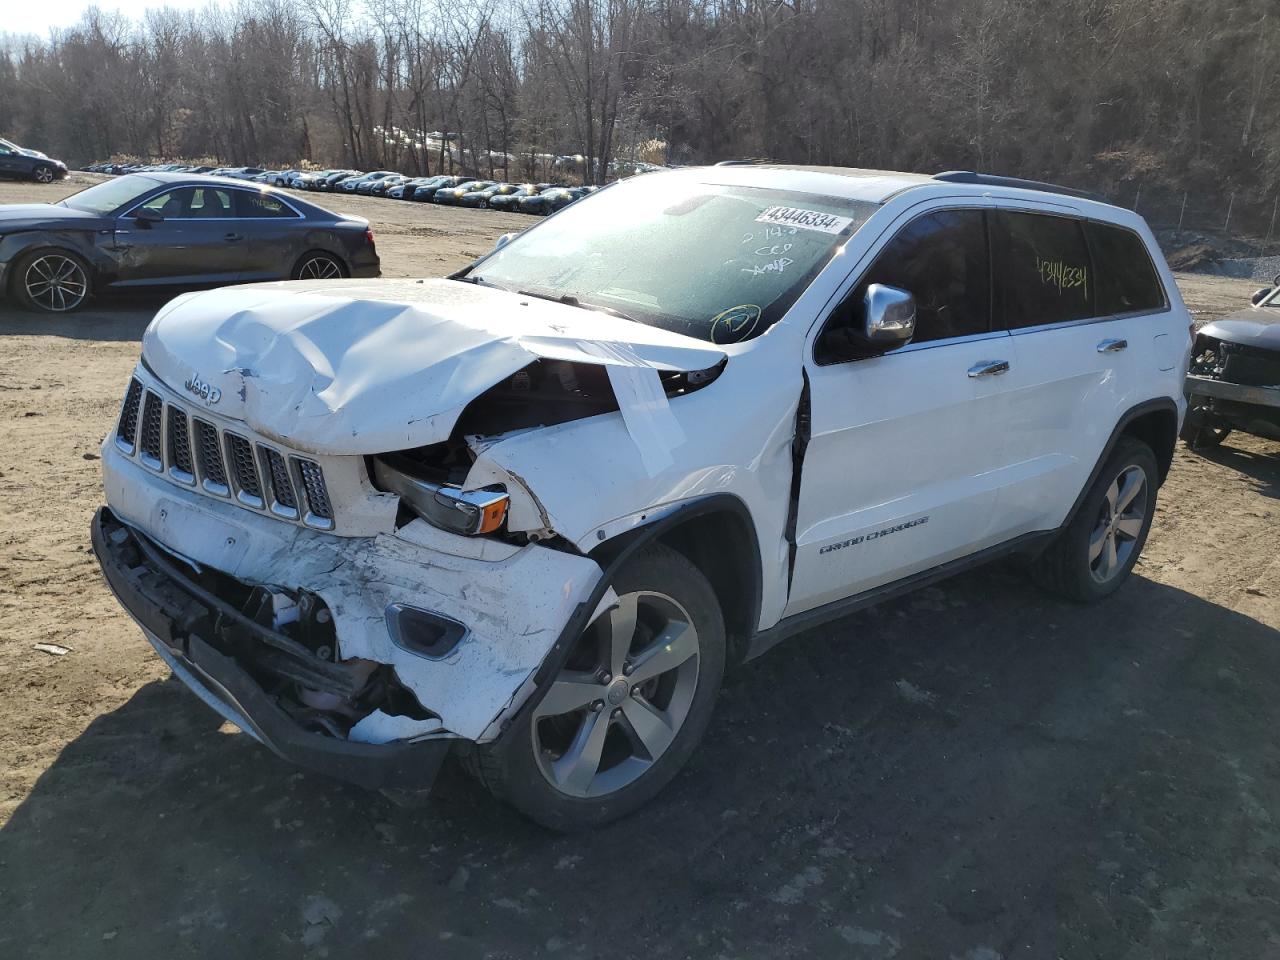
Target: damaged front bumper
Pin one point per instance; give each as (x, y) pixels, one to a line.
(163, 602)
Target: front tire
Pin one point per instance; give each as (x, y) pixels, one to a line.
(626, 710)
(1096, 552)
(43, 174)
(51, 281)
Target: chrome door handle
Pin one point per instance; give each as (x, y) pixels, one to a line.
(1112, 346)
(233, 237)
(989, 368)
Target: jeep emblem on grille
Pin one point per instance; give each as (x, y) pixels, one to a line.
(205, 391)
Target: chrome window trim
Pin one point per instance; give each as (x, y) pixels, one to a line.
(229, 188)
(1086, 321)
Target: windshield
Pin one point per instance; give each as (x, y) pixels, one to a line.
(111, 195)
(720, 263)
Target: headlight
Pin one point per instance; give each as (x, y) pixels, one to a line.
(468, 512)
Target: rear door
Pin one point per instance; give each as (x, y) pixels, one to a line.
(198, 241)
(901, 467)
(1073, 294)
(274, 233)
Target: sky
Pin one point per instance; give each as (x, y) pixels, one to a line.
(38, 16)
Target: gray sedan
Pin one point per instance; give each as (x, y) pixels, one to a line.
(172, 230)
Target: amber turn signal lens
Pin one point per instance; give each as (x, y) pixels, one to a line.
(492, 515)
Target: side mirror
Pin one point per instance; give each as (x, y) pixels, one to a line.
(1259, 295)
(888, 316)
(146, 218)
(503, 241)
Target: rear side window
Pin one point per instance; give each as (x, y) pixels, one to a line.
(1043, 271)
(260, 205)
(1125, 277)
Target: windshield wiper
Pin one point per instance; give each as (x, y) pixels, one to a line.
(568, 299)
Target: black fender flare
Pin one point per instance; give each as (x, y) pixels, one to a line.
(611, 555)
(1158, 405)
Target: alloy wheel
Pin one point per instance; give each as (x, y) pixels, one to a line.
(56, 283)
(621, 698)
(320, 268)
(44, 175)
(1120, 521)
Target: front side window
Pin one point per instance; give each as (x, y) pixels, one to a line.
(1044, 274)
(942, 260)
(191, 203)
(1126, 279)
(717, 262)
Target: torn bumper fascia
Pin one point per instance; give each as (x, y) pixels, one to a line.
(157, 603)
(514, 602)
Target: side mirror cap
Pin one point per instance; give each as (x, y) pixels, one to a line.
(1259, 295)
(503, 241)
(888, 316)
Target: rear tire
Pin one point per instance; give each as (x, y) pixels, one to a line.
(638, 692)
(1096, 552)
(318, 265)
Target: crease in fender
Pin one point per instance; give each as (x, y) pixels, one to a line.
(642, 402)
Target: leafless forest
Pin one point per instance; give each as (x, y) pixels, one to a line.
(1124, 96)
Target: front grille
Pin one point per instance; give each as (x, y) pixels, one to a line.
(245, 473)
(180, 446)
(210, 456)
(167, 437)
(152, 416)
(1250, 366)
(127, 429)
(313, 485)
(281, 486)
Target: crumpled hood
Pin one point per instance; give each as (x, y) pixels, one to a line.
(1255, 326)
(362, 367)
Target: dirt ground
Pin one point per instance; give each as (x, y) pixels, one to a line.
(976, 772)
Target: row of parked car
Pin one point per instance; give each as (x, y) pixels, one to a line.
(532, 198)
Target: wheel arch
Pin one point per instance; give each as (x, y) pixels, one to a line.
(1155, 423)
(721, 513)
(321, 251)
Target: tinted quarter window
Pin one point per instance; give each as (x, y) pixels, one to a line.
(260, 205)
(1042, 269)
(941, 259)
(1125, 277)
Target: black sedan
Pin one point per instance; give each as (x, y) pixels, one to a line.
(172, 230)
(19, 163)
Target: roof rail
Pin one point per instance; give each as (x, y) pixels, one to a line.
(968, 176)
(745, 162)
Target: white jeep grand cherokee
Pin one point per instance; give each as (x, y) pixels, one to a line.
(531, 513)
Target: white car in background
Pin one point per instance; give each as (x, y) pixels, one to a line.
(529, 514)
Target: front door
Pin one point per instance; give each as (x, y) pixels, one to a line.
(199, 240)
(901, 470)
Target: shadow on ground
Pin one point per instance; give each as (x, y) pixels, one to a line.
(108, 318)
(1260, 468)
(976, 771)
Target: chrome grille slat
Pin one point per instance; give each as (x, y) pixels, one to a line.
(150, 443)
(174, 440)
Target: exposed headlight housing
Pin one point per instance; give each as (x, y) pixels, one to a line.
(467, 512)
